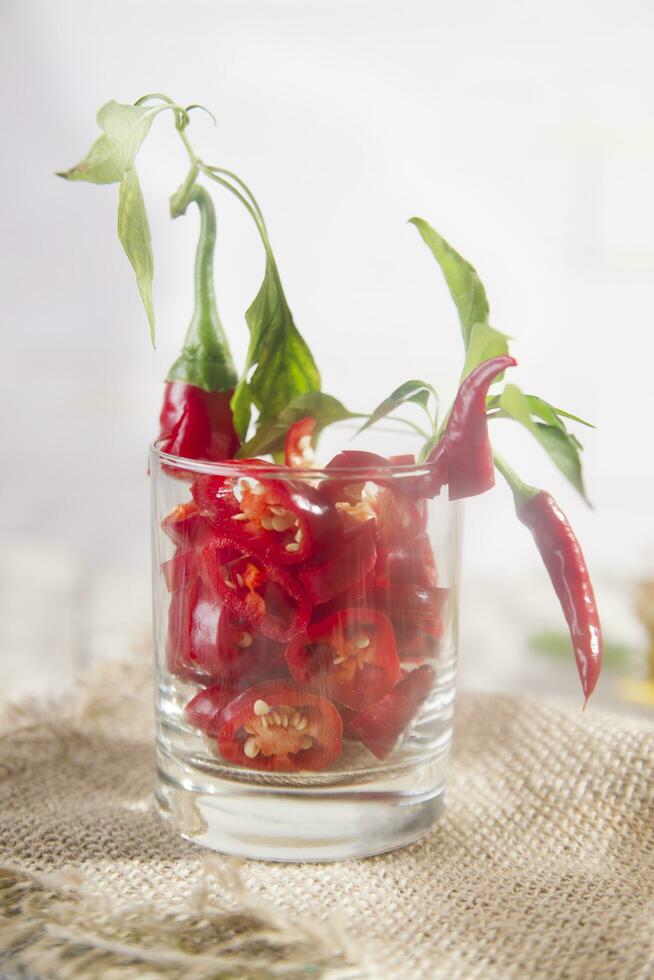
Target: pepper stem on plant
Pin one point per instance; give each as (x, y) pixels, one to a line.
(205, 360)
(521, 491)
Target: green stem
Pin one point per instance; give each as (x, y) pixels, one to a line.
(205, 360)
(521, 490)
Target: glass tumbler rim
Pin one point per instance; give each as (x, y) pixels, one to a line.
(266, 470)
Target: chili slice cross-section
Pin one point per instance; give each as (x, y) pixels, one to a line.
(257, 592)
(350, 656)
(277, 727)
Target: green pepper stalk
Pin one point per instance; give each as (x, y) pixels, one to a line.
(196, 419)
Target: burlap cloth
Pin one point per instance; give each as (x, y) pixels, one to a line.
(543, 865)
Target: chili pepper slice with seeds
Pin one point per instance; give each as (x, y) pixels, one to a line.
(285, 520)
(278, 727)
(369, 495)
(257, 592)
(350, 657)
(298, 445)
(196, 419)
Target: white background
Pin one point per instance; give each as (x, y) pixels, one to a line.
(522, 131)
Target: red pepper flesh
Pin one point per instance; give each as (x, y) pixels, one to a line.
(380, 725)
(298, 448)
(205, 710)
(343, 566)
(196, 424)
(565, 563)
(463, 456)
(277, 727)
(287, 521)
(349, 657)
(257, 592)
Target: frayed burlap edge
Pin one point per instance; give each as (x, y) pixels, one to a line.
(54, 926)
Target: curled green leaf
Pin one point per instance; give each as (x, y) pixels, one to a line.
(134, 234)
(113, 154)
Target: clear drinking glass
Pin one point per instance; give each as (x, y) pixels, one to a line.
(305, 625)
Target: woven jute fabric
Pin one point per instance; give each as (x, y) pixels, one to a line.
(542, 866)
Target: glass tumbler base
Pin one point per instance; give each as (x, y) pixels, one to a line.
(271, 822)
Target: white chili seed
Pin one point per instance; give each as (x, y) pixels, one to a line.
(245, 640)
(277, 718)
(283, 523)
(306, 742)
(261, 708)
(279, 511)
(292, 546)
(239, 579)
(339, 660)
(299, 535)
(361, 642)
(267, 522)
(301, 724)
(239, 517)
(251, 747)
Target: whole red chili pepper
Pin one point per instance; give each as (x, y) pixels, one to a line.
(565, 563)
(463, 456)
(196, 418)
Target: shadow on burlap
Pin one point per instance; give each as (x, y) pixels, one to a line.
(542, 867)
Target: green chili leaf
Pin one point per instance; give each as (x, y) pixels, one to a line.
(544, 411)
(553, 416)
(283, 364)
(134, 234)
(418, 392)
(125, 127)
(271, 433)
(562, 448)
(485, 342)
(464, 284)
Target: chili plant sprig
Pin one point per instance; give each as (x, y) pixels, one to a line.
(278, 365)
(536, 509)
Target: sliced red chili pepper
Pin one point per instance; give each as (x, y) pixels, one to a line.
(410, 608)
(343, 566)
(258, 593)
(358, 499)
(380, 725)
(288, 521)
(248, 654)
(350, 656)
(407, 563)
(205, 643)
(298, 445)
(180, 570)
(277, 727)
(192, 637)
(206, 708)
(186, 527)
